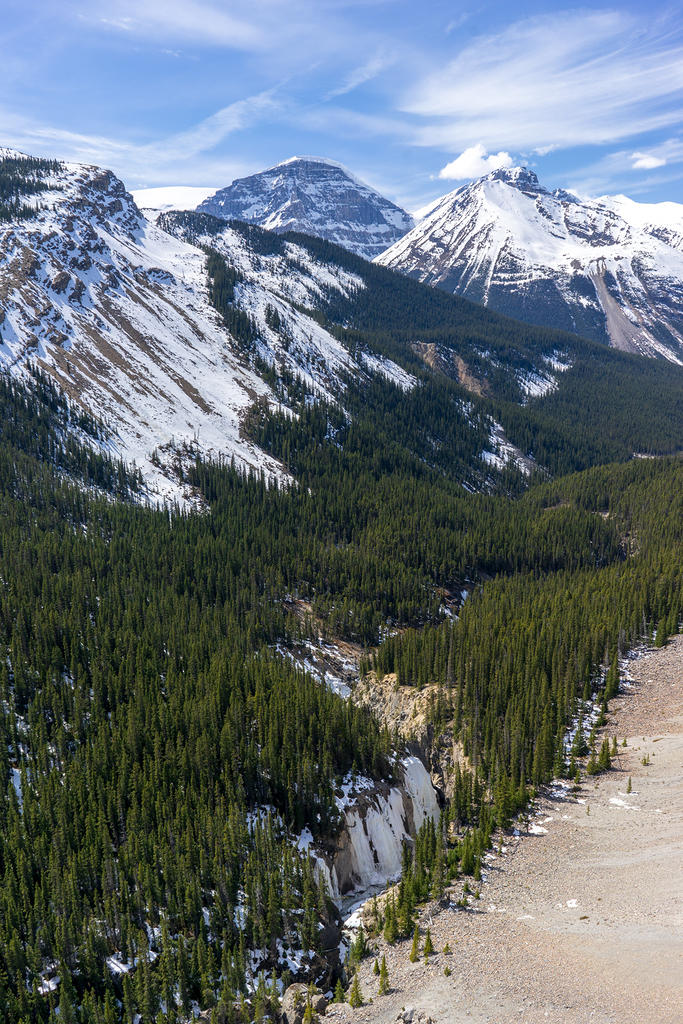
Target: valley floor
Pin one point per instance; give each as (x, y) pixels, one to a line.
(582, 923)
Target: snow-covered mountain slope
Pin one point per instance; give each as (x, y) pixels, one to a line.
(118, 312)
(316, 197)
(609, 268)
(279, 281)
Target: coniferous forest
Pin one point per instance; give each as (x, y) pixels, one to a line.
(159, 755)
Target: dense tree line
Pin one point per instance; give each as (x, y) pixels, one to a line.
(38, 422)
(527, 648)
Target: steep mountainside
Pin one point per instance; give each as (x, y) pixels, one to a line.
(317, 197)
(610, 268)
(118, 311)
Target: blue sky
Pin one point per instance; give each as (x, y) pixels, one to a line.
(414, 97)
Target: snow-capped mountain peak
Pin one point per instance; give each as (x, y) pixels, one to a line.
(316, 196)
(608, 268)
(521, 177)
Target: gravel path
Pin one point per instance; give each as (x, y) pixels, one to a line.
(582, 923)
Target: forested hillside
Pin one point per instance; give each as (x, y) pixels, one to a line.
(161, 755)
(602, 405)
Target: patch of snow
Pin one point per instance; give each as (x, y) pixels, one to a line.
(536, 385)
(558, 362)
(47, 985)
(618, 802)
(16, 782)
(117, 965)
(504, 452)
(391, 370)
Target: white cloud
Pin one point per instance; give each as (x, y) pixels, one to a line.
(622, 170)
(474, 163)
(212, 130)
(571, 78)
(646, 161)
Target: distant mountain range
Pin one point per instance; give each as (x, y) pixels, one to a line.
(610, 269)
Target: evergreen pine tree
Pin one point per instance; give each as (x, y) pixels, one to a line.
(383, 977)
(355, 995)
(390, 924)
(415, 948)
(429, 946)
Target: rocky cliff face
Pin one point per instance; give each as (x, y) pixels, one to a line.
(317, 197)
(409, 711)
(609, 268)
(378, 819)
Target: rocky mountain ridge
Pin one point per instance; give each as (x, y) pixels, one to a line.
(610, 269)
(127, 317)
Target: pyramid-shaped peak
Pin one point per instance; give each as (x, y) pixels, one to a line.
(315, 196)
(313, 165)
(311, 160)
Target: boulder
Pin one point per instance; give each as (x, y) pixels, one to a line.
(294, 1003)
(411, 1016)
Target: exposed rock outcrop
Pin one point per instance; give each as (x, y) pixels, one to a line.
(294, 1003)
(410, 712)
(379, 819)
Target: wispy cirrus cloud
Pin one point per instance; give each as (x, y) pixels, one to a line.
(571, 78)
(364, 73)
(253, 81)
(193, 21)
(287, 30)
(210, 132)
(159, 160)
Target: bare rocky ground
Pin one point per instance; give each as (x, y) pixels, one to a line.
(581, 923)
